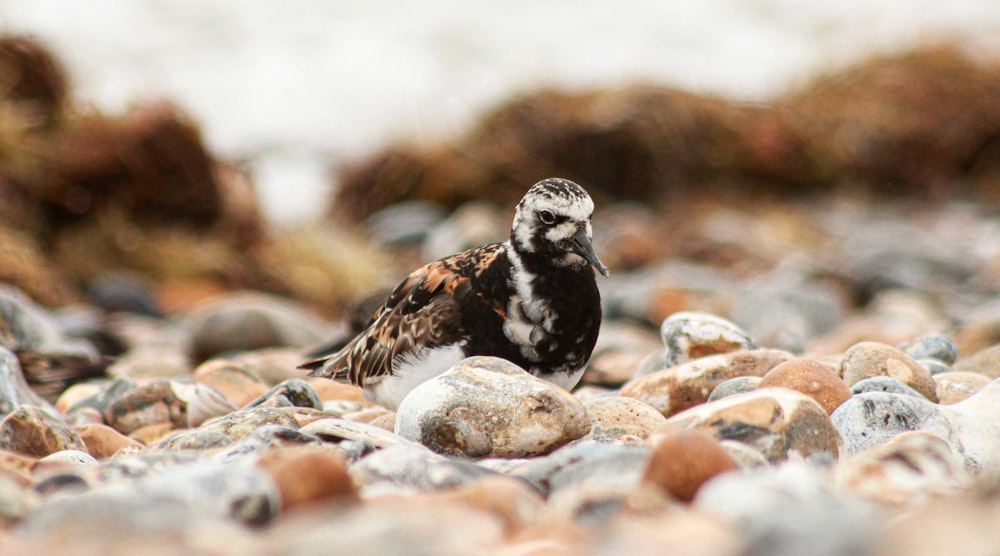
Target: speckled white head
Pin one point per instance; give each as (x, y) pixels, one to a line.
(553, 220)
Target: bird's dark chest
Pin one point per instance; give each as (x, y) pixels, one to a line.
(549, 324)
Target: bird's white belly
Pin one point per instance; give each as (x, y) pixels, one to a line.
(412, 370)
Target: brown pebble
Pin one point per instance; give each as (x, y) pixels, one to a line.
(230, 379)
(306, 475)
(35, 432)
(151, 434)
(103, 441)
(17, 467)
(74, 394)
(813, 379)
(870, 359)
(683, 460)
(956, 386)
(386, 421)
(330, 390)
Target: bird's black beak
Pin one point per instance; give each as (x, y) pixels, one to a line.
(582, 246)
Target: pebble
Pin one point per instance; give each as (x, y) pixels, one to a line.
(25, 324)
(778, 422)
(486, 406)
(271, 365)
(675, 389)
(789, 509)
(908, 470)
(242, 422)
(985, 362)
(14, 390)
(688, 335)
(683, 460)
(152, 361)
(956, 386)
(103, 441)
(869, 359)
(812, 378)
(37, 432)
(931, 346)
(733, 386)
(179, 403)
(617, 418)
(934, 366)
(307, 475)
(231, 380)
(337, 430)
(883, 384)
(586, 463)
(245, 321)
(405, 468)
(293, 392)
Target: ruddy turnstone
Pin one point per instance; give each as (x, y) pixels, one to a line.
(532, 300)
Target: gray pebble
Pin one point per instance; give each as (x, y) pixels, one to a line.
(931, 346)
(883, 384)
(734, 386)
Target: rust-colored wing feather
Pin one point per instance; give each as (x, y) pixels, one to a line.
(422, 312)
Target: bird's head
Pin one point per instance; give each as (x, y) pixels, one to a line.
(552, 221)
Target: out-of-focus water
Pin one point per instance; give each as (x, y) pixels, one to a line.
(296, 85)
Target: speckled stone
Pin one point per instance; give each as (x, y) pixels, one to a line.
(956, 386)
(776, 421)
(486, 406)
(240, 423)
(734, 386)
(869, 359)
(234, 381)
(688, 335)
(811, 378)
(586, 463)
(409, 468)
(293, 392)
(908, 470)
(931, 346)
(182, 404)
(337, 429)
(36, 432)
(675, 389)
(683, 460)
(883, 384)
(617, 418)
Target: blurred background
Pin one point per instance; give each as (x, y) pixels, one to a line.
(789, 164)
(294, 87)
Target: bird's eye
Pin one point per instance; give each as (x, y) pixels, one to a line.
(546, 217)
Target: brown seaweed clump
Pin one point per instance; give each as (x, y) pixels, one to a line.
(925, 121)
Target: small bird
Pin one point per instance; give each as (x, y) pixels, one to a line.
(532, 300)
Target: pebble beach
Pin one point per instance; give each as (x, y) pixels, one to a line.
(797, 356)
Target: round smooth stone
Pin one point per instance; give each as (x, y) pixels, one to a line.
(675, 389)
(957, 386)
(231, 380)
(812, 378)
(883, 384)
(869, 359)
(487, 406)
(734, 386)
(935, 367)
(683, 460)
(307, 475)
(931, 346)
(688, 335)
(36, 432)
(619, 418)
(912, 468)
(778, 422)
(103, 441)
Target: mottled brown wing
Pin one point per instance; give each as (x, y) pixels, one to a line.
(423, 311)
